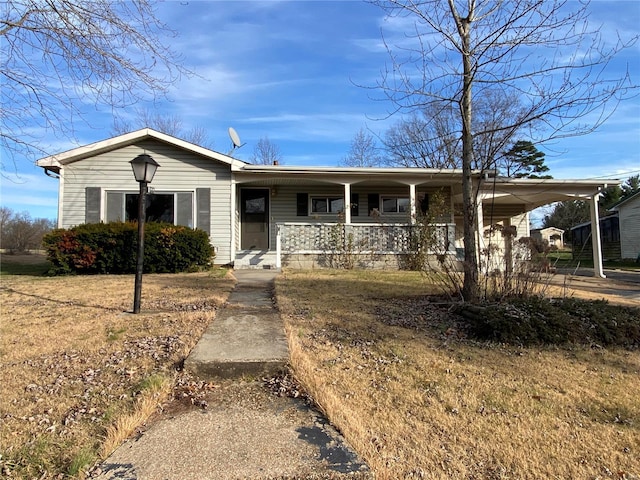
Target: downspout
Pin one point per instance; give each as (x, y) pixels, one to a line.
(598, 270)
(60, 198)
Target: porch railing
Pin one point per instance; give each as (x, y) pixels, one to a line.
(370, 238)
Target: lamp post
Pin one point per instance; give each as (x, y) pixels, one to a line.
(144, 168)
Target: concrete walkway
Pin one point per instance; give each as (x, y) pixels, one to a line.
(246, 432)
(247, 337)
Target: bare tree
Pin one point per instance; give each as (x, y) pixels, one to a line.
(541, 50)
(165, 123)
(266, 152)
(432, 137)
(363, 151)
(20, 233)
(60, 56)
(425, 139)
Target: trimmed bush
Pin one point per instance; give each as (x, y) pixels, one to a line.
(112, 247)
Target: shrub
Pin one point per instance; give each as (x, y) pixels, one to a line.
(541, 321)
(112, 248)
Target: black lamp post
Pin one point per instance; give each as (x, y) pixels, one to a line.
(144, 168)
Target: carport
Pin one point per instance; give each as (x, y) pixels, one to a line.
(505, 197)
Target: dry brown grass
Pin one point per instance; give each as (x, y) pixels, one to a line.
(428, 404)
(78, 374)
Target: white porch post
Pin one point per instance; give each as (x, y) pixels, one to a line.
(412, 202)
(278, 247)
(232, 220)
(598, 271)
(347, 204)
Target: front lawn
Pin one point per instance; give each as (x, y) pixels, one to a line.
(79, 374)
(419, 397)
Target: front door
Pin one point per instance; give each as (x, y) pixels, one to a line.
(254, 219)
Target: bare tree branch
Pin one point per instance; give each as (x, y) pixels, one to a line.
(363, 151)
(165, 123)
(266, 152)
(61, 58)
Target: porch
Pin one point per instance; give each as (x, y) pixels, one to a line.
(304, 244)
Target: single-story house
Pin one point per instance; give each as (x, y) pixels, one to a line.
(274, 215)
(628, 211)
(552, 235)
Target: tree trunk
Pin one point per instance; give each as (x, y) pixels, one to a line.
(470, 288)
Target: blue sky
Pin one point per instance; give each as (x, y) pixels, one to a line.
(291, 70)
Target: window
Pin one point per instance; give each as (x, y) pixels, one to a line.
(176, 208)
(159, 207)
(395, 205)
(327, 204)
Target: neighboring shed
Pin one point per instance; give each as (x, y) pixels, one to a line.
(629, 222)
(552, 235)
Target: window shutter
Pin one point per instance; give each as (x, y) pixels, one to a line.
(354, 205)
(424, 203)
(115, 206)
(203, 205)
(302, 204)
(374, 202)
(92, 205)
(185, 209)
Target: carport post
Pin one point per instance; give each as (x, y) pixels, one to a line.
(598, 271)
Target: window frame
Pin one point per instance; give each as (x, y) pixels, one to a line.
(397, 204)
(175, 193)
(328, 199)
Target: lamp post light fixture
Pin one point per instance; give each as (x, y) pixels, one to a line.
(144, 168)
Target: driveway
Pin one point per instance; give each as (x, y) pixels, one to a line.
(620, 286)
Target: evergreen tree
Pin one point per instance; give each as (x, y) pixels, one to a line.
(524, 160)
(631, 186)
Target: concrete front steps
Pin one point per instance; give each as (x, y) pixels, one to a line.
(247, 338)
(255, 259)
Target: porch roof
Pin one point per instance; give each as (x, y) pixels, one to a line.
(533, 193)
(296, 175)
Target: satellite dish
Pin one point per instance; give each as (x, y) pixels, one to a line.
(235, 139)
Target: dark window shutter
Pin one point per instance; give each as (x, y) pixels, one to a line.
(203, 206)
(354, 205)
(302, 205)
(424, 203)
(92, 205)
(374, 202)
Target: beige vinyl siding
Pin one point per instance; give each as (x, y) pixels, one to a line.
(521, 222)
(629, 215)
(179, 171)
